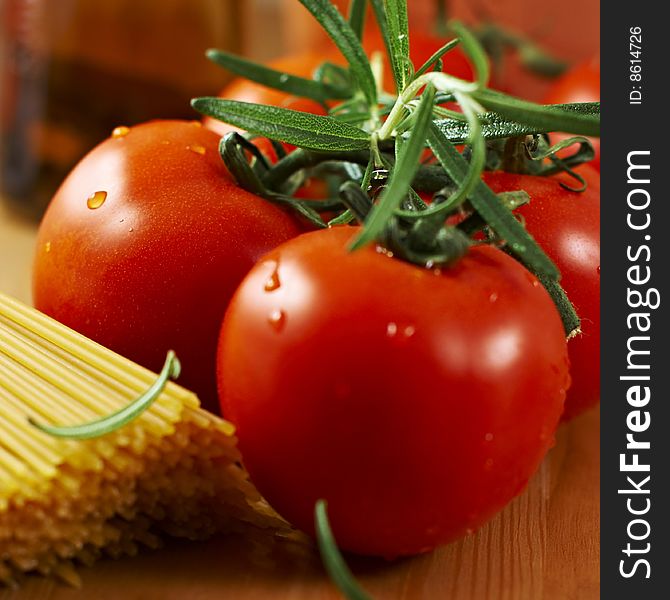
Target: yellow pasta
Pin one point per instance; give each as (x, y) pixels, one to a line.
(174, 470)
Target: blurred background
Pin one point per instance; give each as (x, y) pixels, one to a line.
(72, 70)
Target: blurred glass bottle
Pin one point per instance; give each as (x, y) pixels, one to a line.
(72, 70)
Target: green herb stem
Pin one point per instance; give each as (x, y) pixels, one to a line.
(332, 558)
(116, 420)
(403, 173)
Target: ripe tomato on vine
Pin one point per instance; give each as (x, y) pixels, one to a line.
(417, 402)
(567, 225)
(145, 242)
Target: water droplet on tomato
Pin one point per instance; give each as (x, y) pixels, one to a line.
(197, 149)
(400, 333)
(598, 269)
(120, 132)
(272, 283)
(469, 531)
(131, 229)
(437, 271)
(47, 247)
(493, 298)
(277, 319)
(96, 200)
(488, 437)
(536, 283)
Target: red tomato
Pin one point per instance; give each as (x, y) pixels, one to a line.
(153, 267)
(581, 84)
(417, 403)
(567, 225)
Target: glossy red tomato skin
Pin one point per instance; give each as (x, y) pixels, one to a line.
(153, 268)
(580, 84)
(416, 403)
(567, 225)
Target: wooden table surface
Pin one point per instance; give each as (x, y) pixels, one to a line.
(543, 546)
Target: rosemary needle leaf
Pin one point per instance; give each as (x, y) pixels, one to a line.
(332, 558)
(495, 126)
(346, 40)
(569, 317)
(357, 9)
(118, 419)
(425, 67)
(291, 84)
(398, 29)
(474, 51)
(547, 118)
(302, 129)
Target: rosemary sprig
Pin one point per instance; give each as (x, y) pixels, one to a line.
(357, 134)
(116, 420)
(332, 558)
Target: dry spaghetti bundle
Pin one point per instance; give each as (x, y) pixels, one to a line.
(174, 470)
